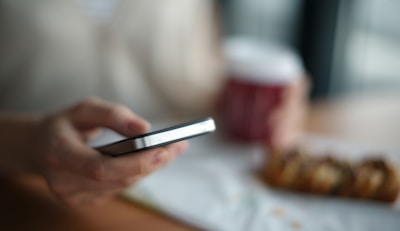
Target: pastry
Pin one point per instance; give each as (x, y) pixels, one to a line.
(374, 179)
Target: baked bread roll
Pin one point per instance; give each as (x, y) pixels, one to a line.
(374, 179)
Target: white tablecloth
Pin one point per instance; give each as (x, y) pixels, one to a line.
(212, 187)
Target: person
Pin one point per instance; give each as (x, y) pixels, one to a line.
(68, 68)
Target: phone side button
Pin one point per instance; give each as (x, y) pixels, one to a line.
(138, 144)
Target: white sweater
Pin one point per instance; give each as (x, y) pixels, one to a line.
(157, 57)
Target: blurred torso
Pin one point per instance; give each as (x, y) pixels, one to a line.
(53, 53)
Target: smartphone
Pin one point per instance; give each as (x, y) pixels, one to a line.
(159, 138)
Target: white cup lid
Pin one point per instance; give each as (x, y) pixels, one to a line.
(253, 61)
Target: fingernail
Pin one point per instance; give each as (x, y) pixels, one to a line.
(158, 157)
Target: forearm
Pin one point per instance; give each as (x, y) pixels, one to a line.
(16, 134)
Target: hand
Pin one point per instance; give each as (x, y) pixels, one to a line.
(286, 122)
(79, 174)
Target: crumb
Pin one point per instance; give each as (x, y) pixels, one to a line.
(296, 224)
(278, 212)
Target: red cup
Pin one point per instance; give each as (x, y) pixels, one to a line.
(257, 76)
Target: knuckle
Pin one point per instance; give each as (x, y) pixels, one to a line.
(51, 153)
(109, 111)
(97, 170)
(79, 107)
(115, 109)
(121, 108)
(85, 103)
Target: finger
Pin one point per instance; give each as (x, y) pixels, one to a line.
(284, 140)
(90, 134)
(94, 112)
(292, 96)
(138, 165)
(83, 160)
(285, 129)
(89, 163)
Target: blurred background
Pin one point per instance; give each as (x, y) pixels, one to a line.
(168, 53)
(347, 46)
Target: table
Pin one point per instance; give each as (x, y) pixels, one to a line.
(26, 204)
(372, 119)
